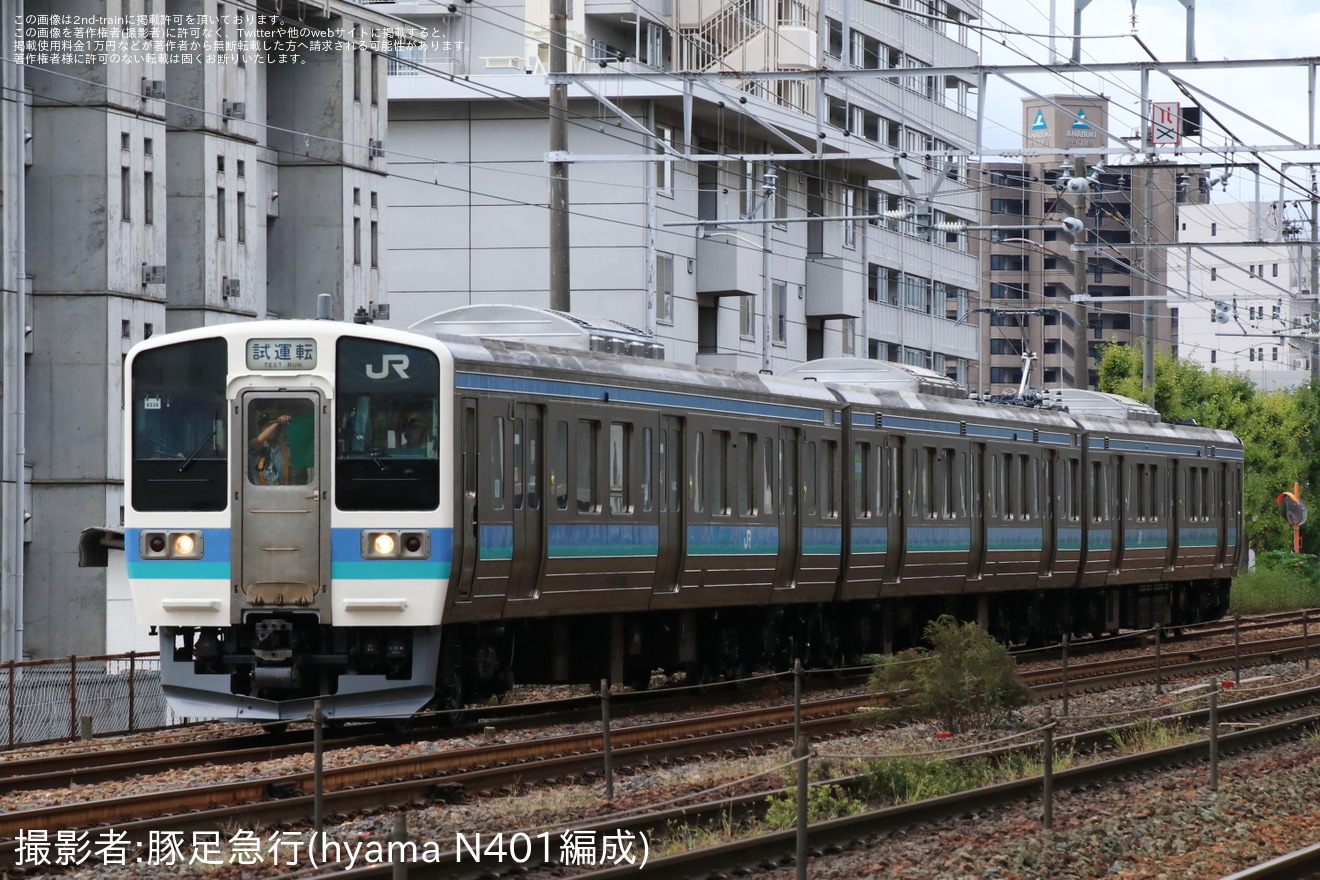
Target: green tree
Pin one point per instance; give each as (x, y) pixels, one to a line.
(1274, 427)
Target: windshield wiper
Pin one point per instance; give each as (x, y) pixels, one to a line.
(187, 462)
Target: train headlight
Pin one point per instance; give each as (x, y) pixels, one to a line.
(395, 544)
(380, 545)
(171, 545)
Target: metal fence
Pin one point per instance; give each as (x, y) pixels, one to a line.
(47, 699)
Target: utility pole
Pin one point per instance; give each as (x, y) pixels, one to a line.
(1081, 361)
(1148, 307)
(560, 297)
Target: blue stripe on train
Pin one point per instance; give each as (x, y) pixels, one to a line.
(600, 539)
(214, 564)
(711, 540)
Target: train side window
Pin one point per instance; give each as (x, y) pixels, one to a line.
(1138, 478)
(1155, 494)
(861, 480)
(924, 464)
(746, 486)
(719, 473)
(674, 467)
(470, 456)
(1012, 488)
(1029, 492)
(809, 491)
(518, 464)
(788, 459)
(829, 496)
(1097, 491)
(956, 502)
(768, 488)
(559, 473)
(894, 480)
(620, 466)
(698, 472)
(588, 490)
(1074, 490)
(531, 478)
(497, 463)
(647, 501)
(974, 493)
(662, 470)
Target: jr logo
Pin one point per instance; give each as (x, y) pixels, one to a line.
(397, 362)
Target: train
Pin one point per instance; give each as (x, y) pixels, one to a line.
(388, 520)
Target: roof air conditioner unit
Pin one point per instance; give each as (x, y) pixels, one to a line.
(229, 287)
(153, 274)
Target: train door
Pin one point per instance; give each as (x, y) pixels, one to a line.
(975, 501)
(1119, 497)
(465, 541)
(281, 526)
(1049, 521)
(528, 444)
(892, 478)
(494, 502)
(669, 482)
(1173, 511)
(790, 516)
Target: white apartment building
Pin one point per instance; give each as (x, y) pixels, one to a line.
(658, 143)
(154, 182)
(1249, 315)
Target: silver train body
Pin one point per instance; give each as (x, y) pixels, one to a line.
(384, 520)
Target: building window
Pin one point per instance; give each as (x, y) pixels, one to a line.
(375, 244)
(849, 225)
(1008, 206)
(664, 169)
(148, 146)
(357, 195)
(375, 78)
(357, 241)
(357, 64)
(849, 331)
(125, 194)
(1214, 273)
(220, 216)
(148, 198)
(834, 44)
(1214, 228)
(241, 208)
(779, 310)
(242, 35)
(746, 317)
(219, 164)
(124, 142)
(664, 288)
(240, 168)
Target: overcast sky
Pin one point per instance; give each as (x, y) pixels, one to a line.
(1230, 29)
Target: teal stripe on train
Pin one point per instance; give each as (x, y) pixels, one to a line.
(1198, 537)
(870, 539)
(1014, 538)
(939, 539)
(1069, 539)
(731, 540)
(214, 564)
(1145, 539)
(600, 539)
(822, 541)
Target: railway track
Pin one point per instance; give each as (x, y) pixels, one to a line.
(425, 778)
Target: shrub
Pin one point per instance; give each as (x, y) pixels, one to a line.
(1269, 588)
(965, 679)
(826, 801)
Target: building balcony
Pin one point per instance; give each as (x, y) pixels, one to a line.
(834, 288)
(922, 330)
(728, 267)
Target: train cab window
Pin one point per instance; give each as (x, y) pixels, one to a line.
(648, 465)
(768, 484)
(387, 418)
(862, 475)
(559, 473)
(719, 473)
(588, 489)
(180, 427)
(746, 477)
(282, 442)
(620, 478)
